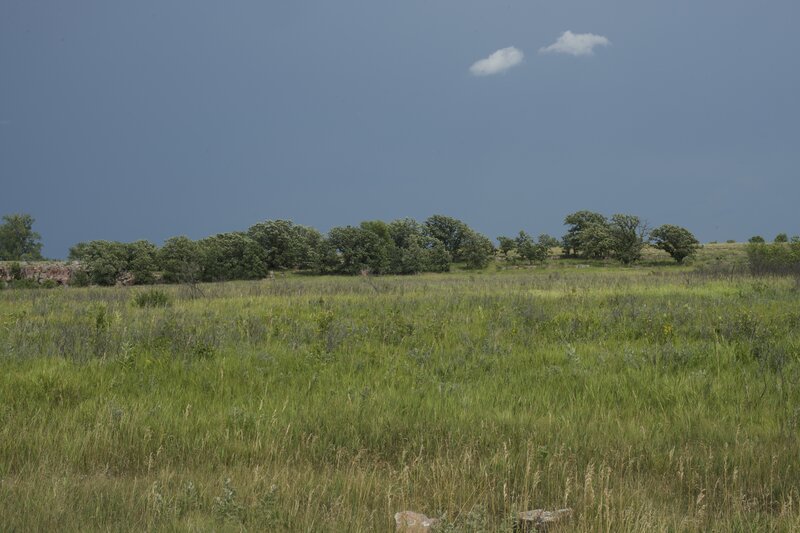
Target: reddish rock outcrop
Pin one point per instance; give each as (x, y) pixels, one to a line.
(40, 272)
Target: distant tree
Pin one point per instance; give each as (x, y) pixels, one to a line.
(450, 231)
(628, 237)
(358, 249)
(328, 260)
(587, 236)
(756, 239)
(286, 245)
(310, 242)
(180, 261)
(530, 250)
(507, 245)
(142, 262)
(410, 259)
(476, 250)
(379, 228)
(103, 261)
(438, 259)
(404, 231)
(781, 237)
(549, 242)
(596, 241)
(77, 251)
(231, 256)
(411, 250)
(774, 258)
(18, 241)
(678, 242)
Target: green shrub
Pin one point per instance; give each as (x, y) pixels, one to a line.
(24, 284)
(79, 278)
(152, 298)
(776, 258)
(15, 270)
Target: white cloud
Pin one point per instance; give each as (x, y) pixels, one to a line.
(499, 61)
(576, 44)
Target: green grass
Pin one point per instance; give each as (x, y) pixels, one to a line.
(647, 399)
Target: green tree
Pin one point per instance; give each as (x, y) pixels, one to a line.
(412, 250)
(230, 256)
(476, 250)
(775, 258)
(450, 231)
(404, 231)
(596, 241)
(756, 239)
(781, 237)
(587, 236)
(549, 242)
(180, 261)
(506, 245)
(358, 249)
(678, 242)
(103, 261)
(142, 262)
(437, 258)
(529, 249)
(18, 241)
(628, 238)
(286, 245)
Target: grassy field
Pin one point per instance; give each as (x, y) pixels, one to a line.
(657, 398)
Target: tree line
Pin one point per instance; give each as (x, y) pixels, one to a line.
(403, 246)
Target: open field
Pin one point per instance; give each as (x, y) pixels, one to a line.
(647, 399)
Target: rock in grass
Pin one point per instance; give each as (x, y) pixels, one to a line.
(411, 522)
(541, 520)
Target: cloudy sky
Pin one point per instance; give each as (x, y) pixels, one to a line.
(148, 119)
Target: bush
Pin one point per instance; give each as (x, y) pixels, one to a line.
(15, 270)
(25, 284)
(775, 259)
(79, 278)
(152, 298)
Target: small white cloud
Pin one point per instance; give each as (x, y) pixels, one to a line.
(576, 44)
(499, 61)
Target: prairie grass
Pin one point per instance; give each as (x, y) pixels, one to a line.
(647, 399)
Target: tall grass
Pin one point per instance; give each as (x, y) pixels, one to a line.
(647, 400)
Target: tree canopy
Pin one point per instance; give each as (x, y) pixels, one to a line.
(678, 242)
(18, 241)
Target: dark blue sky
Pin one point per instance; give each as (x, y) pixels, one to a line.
(148, 119)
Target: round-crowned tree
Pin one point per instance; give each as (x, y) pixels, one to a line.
(678, 242)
